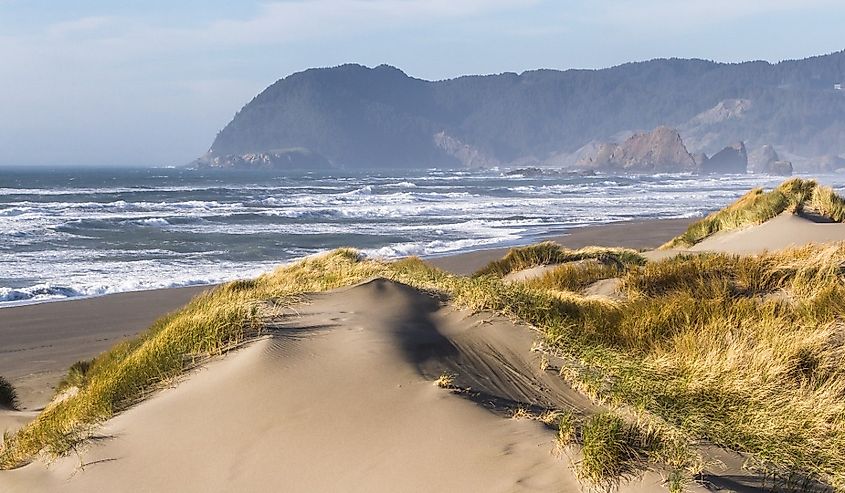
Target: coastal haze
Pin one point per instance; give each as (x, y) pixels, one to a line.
(360, 117)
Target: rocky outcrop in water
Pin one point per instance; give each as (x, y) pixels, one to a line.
(659, 151)
(761, 158)
(779, 168)
(733, 159)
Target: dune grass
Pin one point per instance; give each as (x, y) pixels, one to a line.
(612, 449)
(550, 253)
(757, 206)
(827, 203)
(575, 277)
(744, 352)
(8, 395)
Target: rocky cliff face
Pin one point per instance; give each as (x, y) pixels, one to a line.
(831, 163)
(733, 159)
(659, 151)
(467, 155)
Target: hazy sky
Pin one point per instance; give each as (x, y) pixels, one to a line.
(151, 82)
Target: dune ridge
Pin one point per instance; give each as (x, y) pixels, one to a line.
(348, 380)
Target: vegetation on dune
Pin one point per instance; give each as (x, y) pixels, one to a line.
(827, 203)
(575, 277)
(550, 253)
(8, 395)
(611, 449)
(210, 324)
(757, 206)
(744, 352)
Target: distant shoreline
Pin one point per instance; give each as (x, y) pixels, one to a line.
(468, 261)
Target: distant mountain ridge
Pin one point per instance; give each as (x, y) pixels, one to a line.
(359, 117)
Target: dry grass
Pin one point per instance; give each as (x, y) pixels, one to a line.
(550, 253)
(698, 344)
(756, 207)
(445, 381)
(8, 395)
(575, 277)
(827, 203)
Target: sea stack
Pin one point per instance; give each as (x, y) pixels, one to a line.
(659, 151)
(733, 159)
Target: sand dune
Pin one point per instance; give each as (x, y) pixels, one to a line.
(339, 398)
(786, 230)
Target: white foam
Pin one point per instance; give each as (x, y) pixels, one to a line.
(61, 243)
(153, 221)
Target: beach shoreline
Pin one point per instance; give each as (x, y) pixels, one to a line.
(40, 341)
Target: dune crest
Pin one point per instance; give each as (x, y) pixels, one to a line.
(339, 397)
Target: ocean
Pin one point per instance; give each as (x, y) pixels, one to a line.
(91, 231)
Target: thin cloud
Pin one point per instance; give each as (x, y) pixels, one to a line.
(674, 15)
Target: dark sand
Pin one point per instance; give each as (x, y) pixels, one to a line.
(39, 342)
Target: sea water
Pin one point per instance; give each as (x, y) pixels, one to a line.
(84, 232)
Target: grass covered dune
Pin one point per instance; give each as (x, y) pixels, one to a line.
(796, 195)
(744, 352)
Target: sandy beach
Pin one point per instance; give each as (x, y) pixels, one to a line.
(347, 376)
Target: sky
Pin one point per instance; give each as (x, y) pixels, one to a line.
(140, 83)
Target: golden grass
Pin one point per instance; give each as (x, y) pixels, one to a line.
(700, 345)
(575, 277)
(8, 395)
(550, 253)
(210, 324)
(756, 207)
(827, 203)
(445, 381)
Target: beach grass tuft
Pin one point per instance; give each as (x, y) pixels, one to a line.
(77, 375)
(445, 381)
(8, 395)
(611, 449)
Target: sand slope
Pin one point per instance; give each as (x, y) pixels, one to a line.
(786, 230)
(338, 398)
